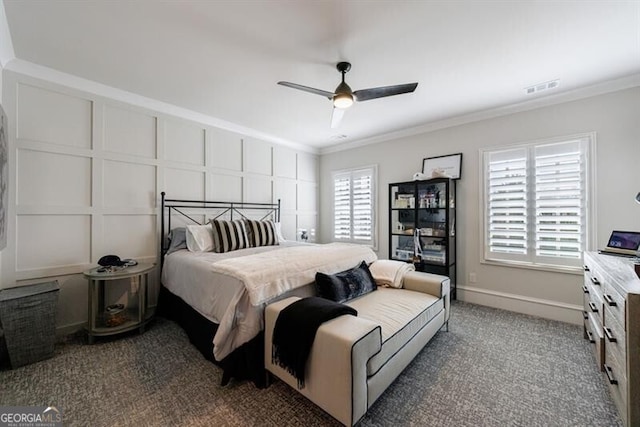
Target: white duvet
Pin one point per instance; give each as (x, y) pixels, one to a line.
(231, 289)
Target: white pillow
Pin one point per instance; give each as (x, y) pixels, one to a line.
(279, 232)
(200, 238)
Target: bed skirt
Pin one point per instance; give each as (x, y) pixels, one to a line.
(244, 363)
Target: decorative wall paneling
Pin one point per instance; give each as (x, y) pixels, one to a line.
(87, 172)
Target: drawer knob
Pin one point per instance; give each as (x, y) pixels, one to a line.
(593, 307)
(609, 300)
(609, 372)
(585, 315)
(584, 289)
(609, 334)
(590, 337)
(586, 268)
(595, 281)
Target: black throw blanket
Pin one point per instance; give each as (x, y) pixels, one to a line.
(295, 331)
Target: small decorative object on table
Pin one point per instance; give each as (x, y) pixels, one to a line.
(111, 263)
(115, 315)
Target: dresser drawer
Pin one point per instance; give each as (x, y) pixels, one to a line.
(617, 381)
(593, 274)
(615, 337)
(594, 335)
(585, 305)
(614, 304)
(593, 302)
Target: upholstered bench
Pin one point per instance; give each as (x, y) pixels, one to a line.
(354, 359)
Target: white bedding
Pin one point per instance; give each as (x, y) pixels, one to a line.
(266, 276)
(222, 298)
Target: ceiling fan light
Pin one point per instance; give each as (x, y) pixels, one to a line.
(343, 100)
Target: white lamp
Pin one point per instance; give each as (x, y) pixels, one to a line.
(343, 97)
(343, 100)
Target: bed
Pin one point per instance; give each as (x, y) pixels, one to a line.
(218, 298)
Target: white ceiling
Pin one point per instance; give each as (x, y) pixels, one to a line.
(223, 58)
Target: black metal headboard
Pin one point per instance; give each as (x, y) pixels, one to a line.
(182, 207)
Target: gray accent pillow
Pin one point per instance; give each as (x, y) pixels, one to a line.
(177, 239)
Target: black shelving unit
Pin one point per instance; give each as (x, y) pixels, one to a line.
(424, 212)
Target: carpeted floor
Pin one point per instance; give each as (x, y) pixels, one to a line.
(493, 368)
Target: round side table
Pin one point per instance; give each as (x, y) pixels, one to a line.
(114, 319)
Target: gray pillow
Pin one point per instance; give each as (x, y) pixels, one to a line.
(178, 239)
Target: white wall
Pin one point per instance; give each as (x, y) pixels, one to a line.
(1, 103)
(6, 55)
(86, 173)
(614, 118)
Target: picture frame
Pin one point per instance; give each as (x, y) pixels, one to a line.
(449, 165)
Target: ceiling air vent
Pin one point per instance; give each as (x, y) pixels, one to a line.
(542, 86)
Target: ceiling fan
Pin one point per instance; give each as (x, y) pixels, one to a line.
(343, 97)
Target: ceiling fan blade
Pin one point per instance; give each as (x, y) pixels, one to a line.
(336, 117)
(381, 92)
(308, 89)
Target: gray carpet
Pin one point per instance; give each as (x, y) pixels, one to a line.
(493, 368)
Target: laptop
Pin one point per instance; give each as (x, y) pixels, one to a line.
(625, 243)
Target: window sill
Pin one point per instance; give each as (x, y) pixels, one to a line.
(540, 267)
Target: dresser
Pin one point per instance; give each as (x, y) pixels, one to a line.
(612, 324)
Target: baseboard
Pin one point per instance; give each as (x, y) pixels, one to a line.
(72, 328)
(534, 306)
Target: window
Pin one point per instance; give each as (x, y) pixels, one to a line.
(354, 205)
(537, 203)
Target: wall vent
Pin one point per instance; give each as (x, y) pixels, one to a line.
(542, 86)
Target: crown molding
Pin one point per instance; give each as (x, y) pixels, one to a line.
(543, 101)
(89, 86)
(7, 53)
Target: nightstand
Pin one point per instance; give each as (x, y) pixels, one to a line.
(105, 319)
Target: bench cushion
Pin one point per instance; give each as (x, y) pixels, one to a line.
(401, 313)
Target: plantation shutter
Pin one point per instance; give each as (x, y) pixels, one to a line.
(362, 205)
(537, 203)
(353, 204)
(342, 206)
(507, 202)
(559, 208)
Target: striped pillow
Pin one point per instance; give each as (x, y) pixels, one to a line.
(229, 235)
(261, 233)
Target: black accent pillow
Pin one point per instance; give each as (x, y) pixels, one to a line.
(229, 235)
(261, 233)
(346, 285)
